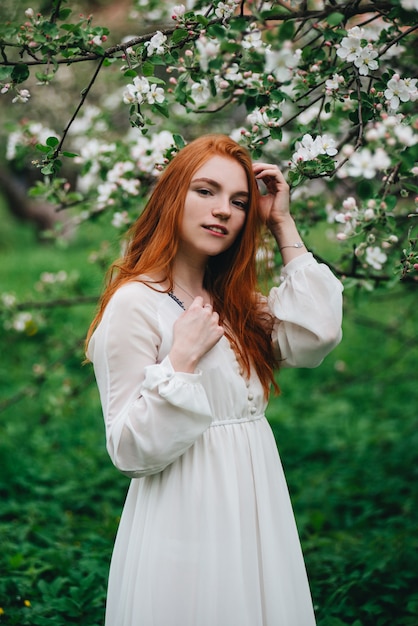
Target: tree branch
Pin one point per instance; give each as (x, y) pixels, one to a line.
(85, 92)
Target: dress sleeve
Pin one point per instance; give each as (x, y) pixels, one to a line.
(307, 307)
(152, 413)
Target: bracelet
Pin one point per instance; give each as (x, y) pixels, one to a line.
(298, 244)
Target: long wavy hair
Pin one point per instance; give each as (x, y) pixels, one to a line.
(230, 278)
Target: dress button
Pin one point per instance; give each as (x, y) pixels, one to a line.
(250, 396)
(253, 410)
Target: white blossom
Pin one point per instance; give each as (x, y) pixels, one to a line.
(282, 63)
(22, 96)
(400, 90)
(200, 91)
(147, 152)
(225, 10)
(105, 190)
(366, 164)
(8, 300)
(118, 170)
(405, 135)
(252, 41)
(130, 95)
(155, 94)
(178, 11)
(142, 90)
(208, 49)
(352, 50)
(21, 321)
(369, 215)
(334, 83)
(349, 204)
(328, 145)
(365, 61)
(258, 118)
(375, 257)
(232, 73)
(309, 148)
(156, 44)
(409, 5)
(120, 218)
(91, 150)
(348, 217)
(350, 46)
(50, 278)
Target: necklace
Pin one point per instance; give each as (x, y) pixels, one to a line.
(185, 290)
(174, 297)
(179, 302)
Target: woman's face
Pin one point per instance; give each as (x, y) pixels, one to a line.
(215, 208)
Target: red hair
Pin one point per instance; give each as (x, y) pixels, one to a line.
(231, 277)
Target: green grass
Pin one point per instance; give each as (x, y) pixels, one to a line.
(347, 434)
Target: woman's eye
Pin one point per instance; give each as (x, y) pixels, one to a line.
(241, 204)
(203, 192)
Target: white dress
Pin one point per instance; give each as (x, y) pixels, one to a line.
(207, 535)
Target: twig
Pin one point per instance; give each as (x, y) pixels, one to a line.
(398, 38)
(80, 104)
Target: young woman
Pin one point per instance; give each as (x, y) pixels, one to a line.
(184, 349)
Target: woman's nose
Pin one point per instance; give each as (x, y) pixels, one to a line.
(222, 209)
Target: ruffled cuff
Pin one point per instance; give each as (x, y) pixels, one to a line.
(296, 264)
(180, 389)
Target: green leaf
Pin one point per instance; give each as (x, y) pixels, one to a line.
(160, 108)
(5, 73)
(295, 178)
(49, 28)
(391, 202)
(130, 73)
(20, 73)
(64, 13)
(231, 47)
(336, 18)
(179, 141)
(202, 20)
(48, 169)
(52, 142)
(276, 133)
(180, 34)
(71, 155)
(308, 53)
(42, 148)
(155, 80)
(238, 24)
(216, 30)
(286, 30)
(148, 68)
(365, 189)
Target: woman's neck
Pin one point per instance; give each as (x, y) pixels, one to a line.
(188, 282)
(189, 277)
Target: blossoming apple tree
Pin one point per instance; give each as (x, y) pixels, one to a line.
(325, 89)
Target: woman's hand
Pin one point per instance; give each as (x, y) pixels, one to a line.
(275, 213)
(195, 333)
(274, 205)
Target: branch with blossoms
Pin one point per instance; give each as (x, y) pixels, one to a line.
(325, 89)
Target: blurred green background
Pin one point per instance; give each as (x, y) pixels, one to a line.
(347, 433)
